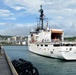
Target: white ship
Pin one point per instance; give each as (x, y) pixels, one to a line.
(50, 42)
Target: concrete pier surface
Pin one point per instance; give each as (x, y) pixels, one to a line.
(6, 67)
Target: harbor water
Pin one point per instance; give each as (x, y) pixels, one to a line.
(45, 65)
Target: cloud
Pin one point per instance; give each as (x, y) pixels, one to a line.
(5, 13)
(24, 29)
(18, 7)
(24, 4)
(61, 14)
(16, 28)
(10, 18)
(2, 24)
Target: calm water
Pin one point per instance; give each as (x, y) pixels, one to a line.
(46, 66)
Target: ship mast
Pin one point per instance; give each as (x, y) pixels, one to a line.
(41, 16)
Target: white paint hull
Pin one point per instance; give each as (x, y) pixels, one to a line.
(61, 52)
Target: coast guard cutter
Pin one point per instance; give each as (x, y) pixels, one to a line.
(50, 42)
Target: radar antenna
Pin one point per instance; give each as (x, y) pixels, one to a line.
(41, 16)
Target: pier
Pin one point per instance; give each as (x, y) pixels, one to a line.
(6, 67)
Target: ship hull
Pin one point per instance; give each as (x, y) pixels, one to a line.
(61, 52)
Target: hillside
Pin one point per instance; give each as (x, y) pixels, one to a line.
(70, 38)
(4, 37)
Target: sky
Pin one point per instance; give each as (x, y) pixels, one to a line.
(18, 17)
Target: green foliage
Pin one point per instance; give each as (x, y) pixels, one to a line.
(70, 38)
(4, 37)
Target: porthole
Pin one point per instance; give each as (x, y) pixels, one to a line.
(37, 45)
(46, 45)
(41, 45)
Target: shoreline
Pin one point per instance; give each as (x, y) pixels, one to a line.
(14, 45)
